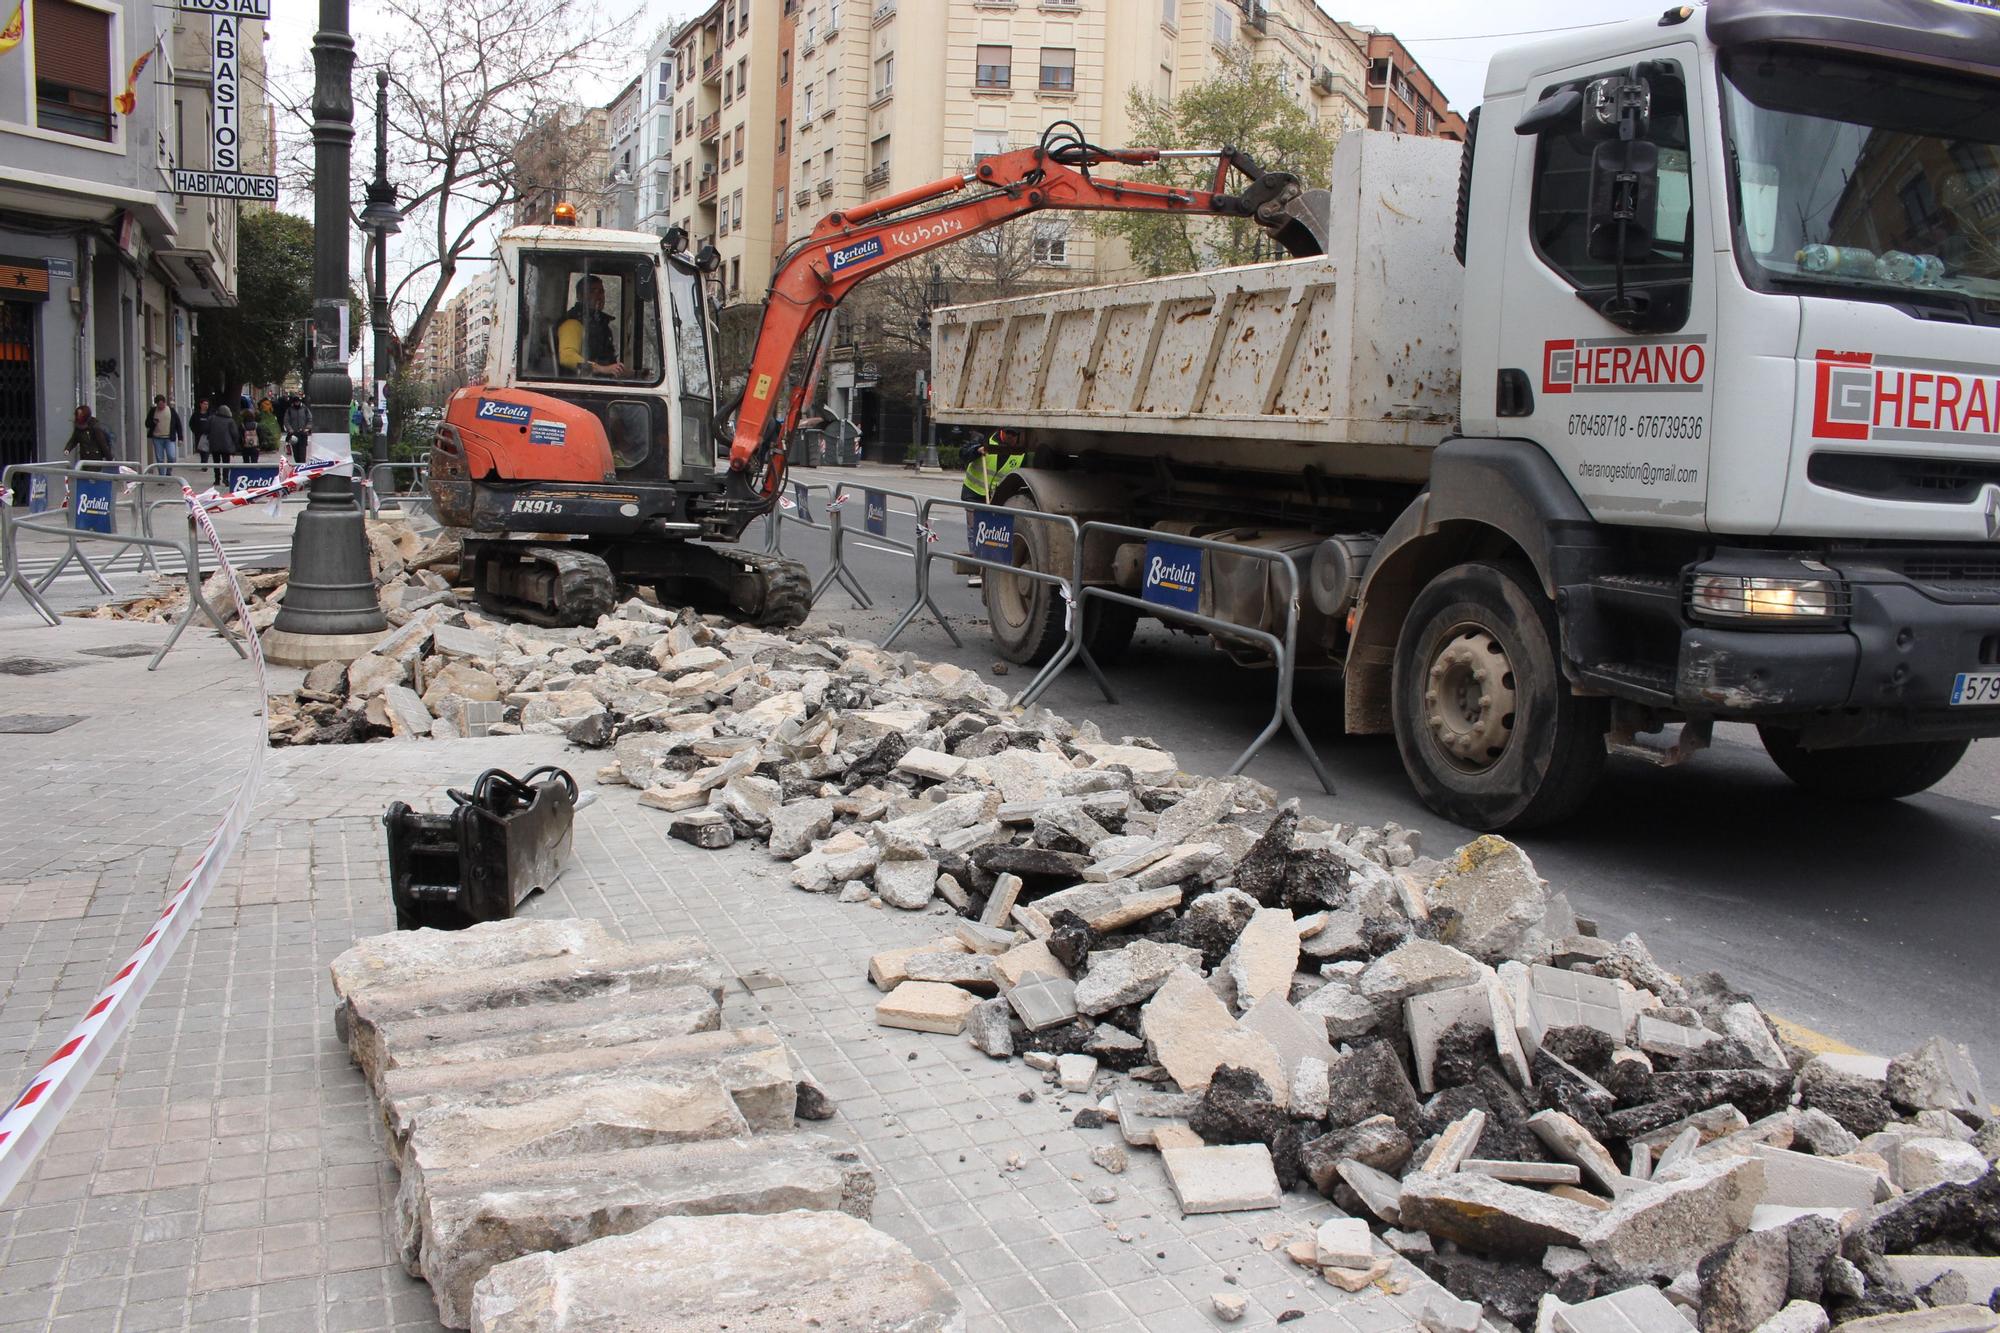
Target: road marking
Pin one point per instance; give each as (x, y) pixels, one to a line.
(1817, 1042)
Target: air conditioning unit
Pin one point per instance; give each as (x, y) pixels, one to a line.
(1323, 79)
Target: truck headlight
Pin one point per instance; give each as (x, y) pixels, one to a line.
(1757, 597)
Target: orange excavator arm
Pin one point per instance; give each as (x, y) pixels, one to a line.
(851, 245)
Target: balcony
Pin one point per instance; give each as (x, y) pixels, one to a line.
(831, 28)
(878, 175)
(803, 197)
(711, 67)
(808, 42)
(707, 191)
(711, 125)
(884, 12)
(882, 95)
(825, 189)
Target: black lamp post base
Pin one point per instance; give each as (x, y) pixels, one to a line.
(331, 594)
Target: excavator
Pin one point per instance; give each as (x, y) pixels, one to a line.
(595, 456)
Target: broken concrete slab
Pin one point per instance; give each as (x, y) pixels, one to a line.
(1490, 1216)
(1573, 1143)
(1343, 1242)
(1106, 907)
(406, 957)
(1344, 1011)
(1664, 1228)
(1000, 902)
(972, 971)
(1293, 1035)
(679, 1275)
(926, 1006)
(1458, 1141)
(1798, 1180)
(1500, 907)
(1523, 1173)
(1429, 1016)
(1634, 1310)
(890, 968)
(1235, 1178)
(1416, 968)
(1193, 1034)
(1571, 999)
(1937, 1075)
(1381, 1192)
(909, 885)
(1025, 960)
(1920, 1163)
(1118, 977)
(1043, 1000)
(1265, 955)
(1941, 1319)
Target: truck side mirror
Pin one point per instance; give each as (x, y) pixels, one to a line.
(1624, 199)
(1559, 110)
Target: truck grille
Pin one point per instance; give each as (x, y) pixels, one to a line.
(1898, 477)
(1958, 575)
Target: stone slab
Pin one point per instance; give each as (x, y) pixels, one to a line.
(890, 968)
(1042, 1000)
(925, 1006)
(492, 1035)
(1640, 1309)
(741, 1272)
(1235, 1178)
(405, 957)
(1491, 1216)
(1192, 1033)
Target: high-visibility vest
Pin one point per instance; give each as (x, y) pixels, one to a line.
(985, 472)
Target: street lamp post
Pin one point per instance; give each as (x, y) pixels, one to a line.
(382, 219)
(330, 610)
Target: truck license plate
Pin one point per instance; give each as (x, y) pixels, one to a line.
(1975, 688)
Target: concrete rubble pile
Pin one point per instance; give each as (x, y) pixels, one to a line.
(582, 1143)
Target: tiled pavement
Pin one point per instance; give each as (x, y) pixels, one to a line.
(221, 1172)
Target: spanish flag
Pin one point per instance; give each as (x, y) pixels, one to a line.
(10, 36)
(129, 99)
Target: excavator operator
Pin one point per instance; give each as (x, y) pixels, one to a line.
(586, 344)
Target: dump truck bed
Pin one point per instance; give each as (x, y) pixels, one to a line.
(1346, 362)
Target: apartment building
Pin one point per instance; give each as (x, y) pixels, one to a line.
(567, 159)
(727, 93)
(624, 152)
(1401, 97)
(654, 169)
(106, 269)
(476, 322)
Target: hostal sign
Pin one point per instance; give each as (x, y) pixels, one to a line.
(225, 178)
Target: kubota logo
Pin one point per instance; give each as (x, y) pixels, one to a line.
(1624, 365)
(1862, 396)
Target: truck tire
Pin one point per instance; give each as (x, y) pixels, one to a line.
(1489, 731)
(1862, 772)
(1026, 615)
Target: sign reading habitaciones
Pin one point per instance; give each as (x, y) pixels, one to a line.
(225, 178)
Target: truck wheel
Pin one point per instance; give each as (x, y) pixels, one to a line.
(1026, 615)
(1489, 731)
(1862, 772)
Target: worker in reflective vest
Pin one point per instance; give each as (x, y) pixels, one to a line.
(986, 465)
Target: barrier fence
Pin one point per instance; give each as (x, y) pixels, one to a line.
(91, 494)
(1170, 588)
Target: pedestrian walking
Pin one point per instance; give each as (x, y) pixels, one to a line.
(246, 432)
(298, 427)
(222, 436)
(88, 441)
(164, 429)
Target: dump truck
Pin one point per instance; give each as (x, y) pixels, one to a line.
(1671, 397)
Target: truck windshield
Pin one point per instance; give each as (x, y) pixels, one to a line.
(1879, 180)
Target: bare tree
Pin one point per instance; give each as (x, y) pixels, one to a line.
(470, 81)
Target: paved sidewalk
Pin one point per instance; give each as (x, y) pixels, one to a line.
(221, 1171)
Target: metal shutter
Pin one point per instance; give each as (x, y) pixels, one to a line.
(73, 45)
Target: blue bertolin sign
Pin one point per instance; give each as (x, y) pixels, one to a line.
(38, 494)
(875, 512)
(839, 257)
(993, 537)
(514, 414)
(1173, 575)
(93, 506)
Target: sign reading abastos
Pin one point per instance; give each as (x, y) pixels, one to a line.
(224, 181)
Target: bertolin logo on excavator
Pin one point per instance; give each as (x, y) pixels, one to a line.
(514, 414)
(1624, 365)
(1862, 396)
(839, 257)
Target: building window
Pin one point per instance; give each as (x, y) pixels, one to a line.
(728, 86)
(743, 20)
(663, 84)
(1051, 245)
(739, 146)
(778, 204)
(809, 103)
(729, 24)
(73, 69)
(1224, 27)
(1378, 71)
(885, 75)
(785, 65)
(995, 67)
(1058, 69)
(987, 143)
(737, 207)
(784, 133)
(1170, 13)
(743, 77)
(735, 276)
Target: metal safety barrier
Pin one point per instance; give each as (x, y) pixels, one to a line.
(794, 505)
(1165, 604)
(382, 476)
(61, 522)
(997, 538)
(873, 534)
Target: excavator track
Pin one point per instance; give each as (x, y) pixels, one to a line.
(545, 585)
(570, 584)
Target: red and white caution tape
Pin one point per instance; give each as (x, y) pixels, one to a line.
(926, 533)
(837, 501)
(213, 501)
(32, 1117)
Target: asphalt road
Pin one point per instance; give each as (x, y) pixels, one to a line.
(1877, 925)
